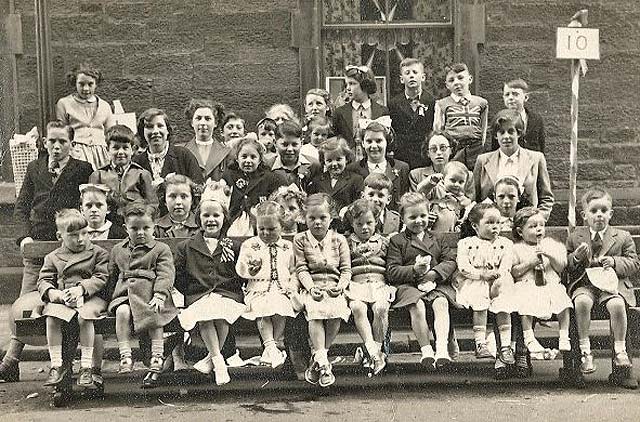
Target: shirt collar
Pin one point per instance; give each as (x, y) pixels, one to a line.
(93, 99)
(457, 98)
(203, 143)
(515, 156)
(314, 242)
(382, 166)
(61, 164)
(149, 245)
(593, 233)
(302, 160)
(159, 155)
(417, 97)
(356, 105)
(105, 227)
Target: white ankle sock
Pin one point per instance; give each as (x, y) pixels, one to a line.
(480, 334)
(125, 348)
(505, 335)
(585, 345)
(55, 352)
(86, 357)
(620, 346)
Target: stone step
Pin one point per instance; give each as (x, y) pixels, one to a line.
(10, 282)
(9, 253)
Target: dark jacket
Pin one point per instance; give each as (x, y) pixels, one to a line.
(343, 119)
(348, 187)
(411, 127)
(40, 198)
(397, 171)
(199, 272)
(249, 189)
(178, 160)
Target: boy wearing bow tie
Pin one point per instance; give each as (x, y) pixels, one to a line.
(462, 115)
(600, 245)
(51, 184)
(411, 113)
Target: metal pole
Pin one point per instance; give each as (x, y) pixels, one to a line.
(45, 68)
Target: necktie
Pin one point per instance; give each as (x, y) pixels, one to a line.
(415, 103)
(596, 245)
(361, 111)
(54, 170)
(273, 253)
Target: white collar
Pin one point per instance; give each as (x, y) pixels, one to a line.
(302, 161)
(382, 165)
(159, 155)
(457, 98)
(203, 143)
(593, 233)
(315, 243)
(366, 105)
(515, 156)
(416, 96)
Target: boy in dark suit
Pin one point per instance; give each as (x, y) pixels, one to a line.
(515, 94)
(411, 113)
(600, 245)
(52, 183)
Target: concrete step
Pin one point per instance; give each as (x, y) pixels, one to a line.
(10, 253)
(10, 282)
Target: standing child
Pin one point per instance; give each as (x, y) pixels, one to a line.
(266, 262)
(463, 116)
(69, 280)
(507, 200)
(613, 250)
(87, 114)
(266, 130)
(290, 165)
(446, 193)
(180, 221)
(344, 186)
(252, 183)
(127, 181)
(421, 265)
(318, 130)
(141, 274)
(538, 262)
(368, 287)
(206, 276)
(323, 267)
(292, 200)
(377, 189)
(233, 130)
(485, 282)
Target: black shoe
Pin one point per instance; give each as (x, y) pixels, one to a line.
(57, 374)
(98, 379)
(151, 380)
(9, 372)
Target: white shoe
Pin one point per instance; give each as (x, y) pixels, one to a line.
(204, 365)
(265, 359)
(235, 361)
(534, 347)
(278, 357)
(220, 371)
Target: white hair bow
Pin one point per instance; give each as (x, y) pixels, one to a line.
(361, 69)
(385, 121)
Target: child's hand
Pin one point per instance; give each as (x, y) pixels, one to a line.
(316, 294)
(582, 252)
(24, 242)
(606, 262)
(427, 286)
(431, 219)
(435, 178)
(157, 302)
(422, 264)
(254, 265)
(334, 291)
(72, 294)
(56, 296)
(491, 275)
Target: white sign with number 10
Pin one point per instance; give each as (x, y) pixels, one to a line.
(578, 43)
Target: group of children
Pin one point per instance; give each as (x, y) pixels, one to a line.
(362, 243)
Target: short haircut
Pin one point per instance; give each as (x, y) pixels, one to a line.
(359, 208)
(179, 179)
(517, 84)
(325, 95)
(120, 134)
(410, 61)
(424, 146)
(508, 117)
(195, 103)
(69, 220)
(270, 209)
(289, 128)
(284, 109)
(478, 211)
(148, 115)
(378, 181)
(85, 68)
(379, 127)
(412, 199)
(285, 193)
(59, 124)
(338, 146)
(456, 68)
(520, 219)
(593, 194)
(456, 167)
(508, 180)
(267, 124)
(321, 199)
(232, 116)
(367, 80)
(225, 212)
(139, 209)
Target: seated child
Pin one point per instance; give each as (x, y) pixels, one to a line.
(252, 183)
(266, 129)
(180, 221)
(69, 280)
(368, 287)
(323, 267)
(445, 192)
(538, 262)
(421, 266)
(377, 189)
(601, 245)
(141, 276)
(206, 276)
(292, 200)
(507, 200)
(266, 262)
(485, 282)
(344, 186)
(127, 180)
(462, 116)
(318, 130)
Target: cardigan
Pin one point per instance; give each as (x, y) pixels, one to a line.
(40, 198)
(78, 114)
(324, 264)
(368, 258)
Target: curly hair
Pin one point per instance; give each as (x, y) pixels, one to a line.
(85, 68)
(216, 108)
(520, 219)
